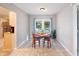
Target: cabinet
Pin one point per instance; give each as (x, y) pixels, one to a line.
(7, 40)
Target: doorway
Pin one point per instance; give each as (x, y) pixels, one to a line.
(7, 37)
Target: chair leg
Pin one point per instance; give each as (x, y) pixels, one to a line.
(39, 43)
(48, 44)
(34, 44)
(43, 43)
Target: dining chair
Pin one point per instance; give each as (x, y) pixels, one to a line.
(35, 39)
(47, 38)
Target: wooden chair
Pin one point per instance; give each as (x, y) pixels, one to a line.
(35, 38)
(33, 41)
(47, 38)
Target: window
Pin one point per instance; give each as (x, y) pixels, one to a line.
(42, 25)
(47, 26)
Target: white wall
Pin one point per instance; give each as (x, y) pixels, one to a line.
(65, 28)
(21, 24)
(12, 22)
(32, 17)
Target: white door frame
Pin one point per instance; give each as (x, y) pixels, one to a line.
(75, 29)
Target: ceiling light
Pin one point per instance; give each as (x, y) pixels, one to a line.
(42, 9)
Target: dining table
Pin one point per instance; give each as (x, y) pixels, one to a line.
(44, 37)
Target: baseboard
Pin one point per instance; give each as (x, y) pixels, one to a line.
(66, 49)
(22, 43)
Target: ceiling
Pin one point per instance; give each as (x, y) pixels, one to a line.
(34, 8)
